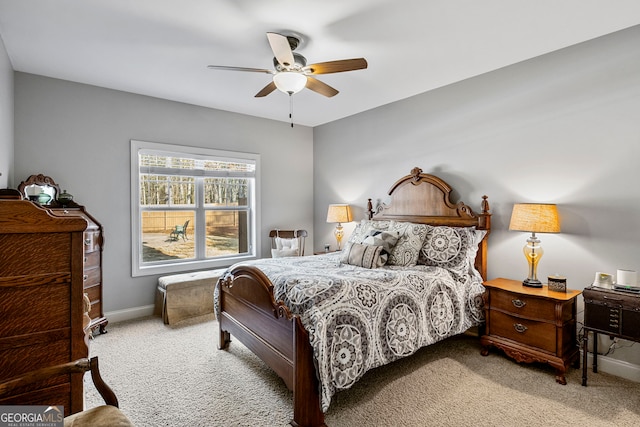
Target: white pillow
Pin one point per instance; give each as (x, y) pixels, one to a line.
(285, 247)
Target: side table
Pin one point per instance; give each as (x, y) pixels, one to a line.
(611, 312)
(531, 324)
(325, 252)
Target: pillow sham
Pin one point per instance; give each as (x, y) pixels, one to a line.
(406, 252)
(362, 255)
(364, 227)
(453, 248)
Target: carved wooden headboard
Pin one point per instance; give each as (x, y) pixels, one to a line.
(426, 199)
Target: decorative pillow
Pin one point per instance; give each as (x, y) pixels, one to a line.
(405, 253)
(386, 239)
(362, 255)
(285, 247)
(453, 248)
(365, 227)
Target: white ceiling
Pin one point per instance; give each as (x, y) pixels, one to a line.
(161, 48)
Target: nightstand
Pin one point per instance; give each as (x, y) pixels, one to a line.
(611, 312)
(325, 252)
(531, 324)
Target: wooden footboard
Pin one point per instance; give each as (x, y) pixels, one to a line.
(249, 312)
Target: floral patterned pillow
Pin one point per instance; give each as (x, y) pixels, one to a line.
(365, 227)
(453, 248)
(406, 252)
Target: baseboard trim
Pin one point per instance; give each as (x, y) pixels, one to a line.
(129, 313)
(612, 366)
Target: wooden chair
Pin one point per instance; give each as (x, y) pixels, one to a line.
(179, 230)
(107, 415)
(288, 234)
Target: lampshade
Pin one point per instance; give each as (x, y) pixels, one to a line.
(339, 213)
(535, 218)
(290, 81)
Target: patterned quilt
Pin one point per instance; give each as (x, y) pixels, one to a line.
(360, 318)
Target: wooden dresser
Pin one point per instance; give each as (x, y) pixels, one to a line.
(531, 324)
(93, 239)
(62, 206)
(41, 301)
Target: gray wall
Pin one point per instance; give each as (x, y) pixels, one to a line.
(6, 118)
(79, 135)
(561, 128)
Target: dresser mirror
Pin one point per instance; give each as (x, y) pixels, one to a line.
(40, 188)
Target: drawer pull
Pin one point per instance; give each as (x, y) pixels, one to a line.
(518, 303)
(519, 327)
(87, 241)
(85, 277)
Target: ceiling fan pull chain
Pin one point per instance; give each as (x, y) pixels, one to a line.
(291, 108)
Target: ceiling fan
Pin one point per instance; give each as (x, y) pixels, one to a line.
(291, 73)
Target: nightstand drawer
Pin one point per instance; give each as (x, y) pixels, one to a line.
(541, 335)
(522, 305)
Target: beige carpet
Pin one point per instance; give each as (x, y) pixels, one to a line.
(175, 376)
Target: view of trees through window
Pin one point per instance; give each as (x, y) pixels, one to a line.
(188, 212)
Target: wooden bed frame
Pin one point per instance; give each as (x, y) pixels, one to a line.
(249, 311)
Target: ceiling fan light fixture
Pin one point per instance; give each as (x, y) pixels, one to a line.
(290, 81)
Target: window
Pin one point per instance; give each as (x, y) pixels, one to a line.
(192, 208)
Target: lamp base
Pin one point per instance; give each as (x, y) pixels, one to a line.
(532, 283)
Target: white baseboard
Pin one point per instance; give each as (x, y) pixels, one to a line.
(612, 366)
(129, 313)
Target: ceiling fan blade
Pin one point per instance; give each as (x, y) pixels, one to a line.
(320, 87)
(336, 66)
(281, 49)
(266, 90)
(253, 70)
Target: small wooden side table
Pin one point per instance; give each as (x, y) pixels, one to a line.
(531, 324)
(325, 252)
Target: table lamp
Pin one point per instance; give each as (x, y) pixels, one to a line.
(339, 213)
(534, 218)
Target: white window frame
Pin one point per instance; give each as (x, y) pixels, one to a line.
(138, 268)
